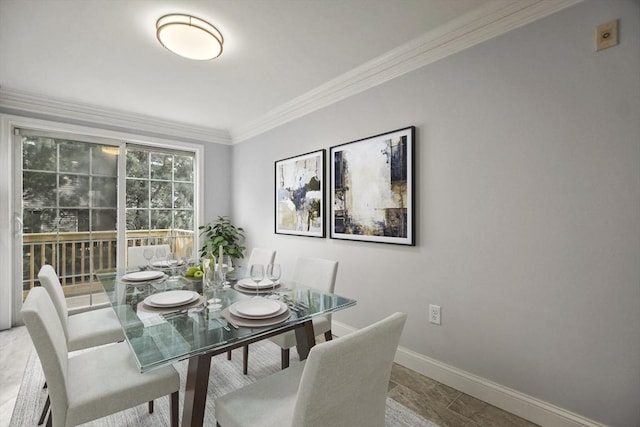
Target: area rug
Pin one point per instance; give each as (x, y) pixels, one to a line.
(264, 359)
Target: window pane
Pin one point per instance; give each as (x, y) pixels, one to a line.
(39, 154)
(137, 193)
(71, 220)
(38, 189)
(104, 162)
(105, 192)
(183, 168)
(137, 164)
(183, 220)
(74, 190)
(39, 220)
(160, 219)
(74, 157)
(161, 165)
(184, 195)
(137, 219)
(104, 220)
(161, 194)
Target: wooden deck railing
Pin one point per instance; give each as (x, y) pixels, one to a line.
(76, 255)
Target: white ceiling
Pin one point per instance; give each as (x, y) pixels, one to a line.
(281, 59)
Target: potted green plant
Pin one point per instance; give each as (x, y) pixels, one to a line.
(222, 233)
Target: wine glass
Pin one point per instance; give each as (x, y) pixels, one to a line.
(227, 267)
(216, 283)
(257, 274)
(273, 274)
(188, 255)
(161, 253)
(173, 260)
(147, 253)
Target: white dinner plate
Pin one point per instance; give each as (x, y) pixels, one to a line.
(171, 298)
(256, 323)
(165, 264)
(143, 276)
(257, 308)
(253, 291)
(250, 284)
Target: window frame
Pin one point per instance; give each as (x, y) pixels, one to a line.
(10, 263)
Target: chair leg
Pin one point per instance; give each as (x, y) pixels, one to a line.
(284, 356)
(50, 419)
(45, 385)
(328, 336)
(45, 410)
(245, 359)
(229, 355)
(174, 409)
(151, 406)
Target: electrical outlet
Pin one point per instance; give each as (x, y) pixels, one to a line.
(434, 314)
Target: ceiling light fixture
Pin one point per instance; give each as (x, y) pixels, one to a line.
(188, 36)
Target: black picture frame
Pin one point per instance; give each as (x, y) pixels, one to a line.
(300, 195)
(372, 186)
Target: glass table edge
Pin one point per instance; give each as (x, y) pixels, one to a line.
(346, 303)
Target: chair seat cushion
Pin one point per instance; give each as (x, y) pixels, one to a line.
(267, 402)
(287, 340)
(93, 328)
(108, 380)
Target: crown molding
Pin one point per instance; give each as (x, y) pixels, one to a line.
(24, 103)
(491, 20)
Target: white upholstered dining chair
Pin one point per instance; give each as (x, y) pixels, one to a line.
(343, 383)
(261, 256)
(95, 383)
(315, 273)
(135, 255)
(82, 330)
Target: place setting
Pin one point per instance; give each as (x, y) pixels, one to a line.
(143, 277)
(169, 302)
(256, 312)
(261, 281)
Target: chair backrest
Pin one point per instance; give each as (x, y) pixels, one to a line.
(45, 329)
(345, 381)
(49, 280)
(135, 255)
(261, 256)
(316, 273)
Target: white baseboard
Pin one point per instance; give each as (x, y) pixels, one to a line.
(527, 407)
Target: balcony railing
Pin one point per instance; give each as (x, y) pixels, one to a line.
(77, 255)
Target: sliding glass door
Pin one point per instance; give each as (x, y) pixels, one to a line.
(72, 208)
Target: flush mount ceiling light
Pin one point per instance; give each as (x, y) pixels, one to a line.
(189, 36)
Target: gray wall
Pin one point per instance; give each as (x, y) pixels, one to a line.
(217, 181)
(528, 210)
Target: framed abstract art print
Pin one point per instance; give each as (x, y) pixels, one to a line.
(372, 189)
(299, 195)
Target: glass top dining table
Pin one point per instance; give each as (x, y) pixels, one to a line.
(204, 327)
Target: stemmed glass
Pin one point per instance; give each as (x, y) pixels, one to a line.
(227, 266)
(161, 253)
(173, 260)
(273, 274)
(188, 255)
(257, 274)
(216, 283)
(148, 255)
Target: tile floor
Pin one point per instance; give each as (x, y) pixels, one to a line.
(435, 401)
(444, 405)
